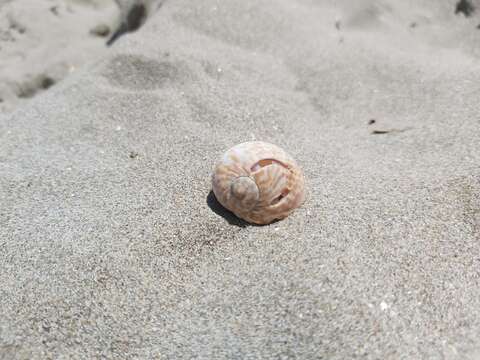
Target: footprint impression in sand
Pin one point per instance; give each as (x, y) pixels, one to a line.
(42, 42)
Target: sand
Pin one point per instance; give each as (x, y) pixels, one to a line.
(112, 246)
(42, 42)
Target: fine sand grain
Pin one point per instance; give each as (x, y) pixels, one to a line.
(111, 246)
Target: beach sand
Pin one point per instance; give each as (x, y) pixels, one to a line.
(42, 42)
(112, 245)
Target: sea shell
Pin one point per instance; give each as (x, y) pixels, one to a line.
(259, 182)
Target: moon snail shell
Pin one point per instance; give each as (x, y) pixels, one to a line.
(259, 182)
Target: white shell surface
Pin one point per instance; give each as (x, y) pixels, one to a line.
(259, 182)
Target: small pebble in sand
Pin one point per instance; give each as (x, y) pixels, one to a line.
(259, 182)
(101, 30)
(133, 155)
(384, 306)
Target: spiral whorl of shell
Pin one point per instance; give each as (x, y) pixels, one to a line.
(258, 182)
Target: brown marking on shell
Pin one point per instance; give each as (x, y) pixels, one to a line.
(280, 185)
